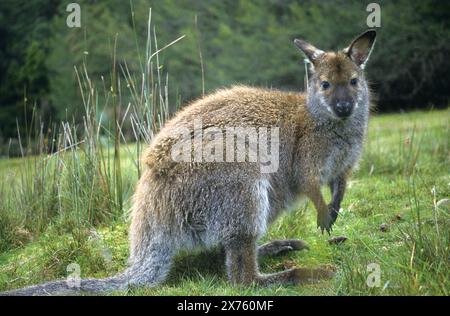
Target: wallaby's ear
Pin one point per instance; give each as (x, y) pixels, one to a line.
(311, 52)
(361, 47)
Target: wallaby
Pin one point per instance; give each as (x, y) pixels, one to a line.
(181, 205)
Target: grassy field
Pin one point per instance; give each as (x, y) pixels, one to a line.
(394, 217)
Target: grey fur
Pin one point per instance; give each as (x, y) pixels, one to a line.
(183, 206)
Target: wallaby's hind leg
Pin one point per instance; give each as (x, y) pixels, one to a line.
(277, 247)
(242, 267)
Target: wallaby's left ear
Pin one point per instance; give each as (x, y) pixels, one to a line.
(311, 52)
(361, 47)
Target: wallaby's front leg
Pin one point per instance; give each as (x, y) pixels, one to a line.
(324, 219)
(277, 247)
(337, 187)
(242, 267)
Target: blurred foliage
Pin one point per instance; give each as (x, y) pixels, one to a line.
(236, 41)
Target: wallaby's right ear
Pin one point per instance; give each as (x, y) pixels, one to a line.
(360, 49)
(311, 52)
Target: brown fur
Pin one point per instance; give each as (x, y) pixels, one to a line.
(185, 205)
(195, 203)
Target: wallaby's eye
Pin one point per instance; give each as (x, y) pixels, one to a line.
(354, 81)
(325, 85)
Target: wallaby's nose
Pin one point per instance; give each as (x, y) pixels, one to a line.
(343, 109)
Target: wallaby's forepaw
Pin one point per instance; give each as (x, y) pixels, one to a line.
(333, 213)
(325, 222)
(277, 247)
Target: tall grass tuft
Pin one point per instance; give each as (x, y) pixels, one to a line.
(71, 176)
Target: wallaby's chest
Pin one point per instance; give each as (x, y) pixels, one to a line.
(339, 155)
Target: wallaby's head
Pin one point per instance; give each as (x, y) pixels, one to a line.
(337, 87)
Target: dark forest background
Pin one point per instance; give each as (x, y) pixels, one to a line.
(227, 42)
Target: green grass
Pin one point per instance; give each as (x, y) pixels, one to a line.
(404, 172)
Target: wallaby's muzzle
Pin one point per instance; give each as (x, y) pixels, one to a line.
(343, 109)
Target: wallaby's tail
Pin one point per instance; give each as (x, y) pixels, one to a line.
(148, 269)
(62, 287)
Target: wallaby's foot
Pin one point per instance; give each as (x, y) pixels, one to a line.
(325, 222)
(242, 267)
(298, 276)
(305, 275)
(277, 247)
